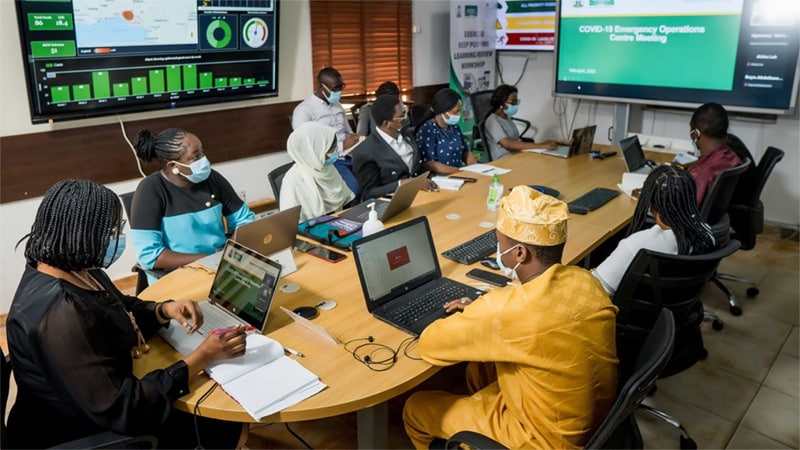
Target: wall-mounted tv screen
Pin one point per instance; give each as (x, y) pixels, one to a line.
(525, 25)
(86, 58)
(740, 53)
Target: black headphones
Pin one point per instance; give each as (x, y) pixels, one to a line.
(376, 356)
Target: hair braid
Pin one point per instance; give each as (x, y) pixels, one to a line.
(671, 192)
(164, 146)
(73, 225)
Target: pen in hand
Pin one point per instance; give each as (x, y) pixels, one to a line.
(249, 329)
(293, 352)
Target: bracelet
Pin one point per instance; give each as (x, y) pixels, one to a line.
(159, 311)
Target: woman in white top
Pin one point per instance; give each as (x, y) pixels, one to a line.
(669, 195)
(313, 182)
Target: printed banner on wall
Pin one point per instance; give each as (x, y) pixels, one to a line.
(472, 47)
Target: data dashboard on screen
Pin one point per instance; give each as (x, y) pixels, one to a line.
(86, 58)
(740, 53)
(525, 25)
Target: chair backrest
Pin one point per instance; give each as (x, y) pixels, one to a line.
(127, 201)
(480, 104)
(276, 179)
(771, 158)
(657, 280)
(417, 114)
(5, 382)
(482, 135)
(716, 201)
(652, 358)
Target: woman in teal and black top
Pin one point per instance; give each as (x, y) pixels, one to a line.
(177, 212)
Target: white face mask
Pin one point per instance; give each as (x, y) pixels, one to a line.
(507, 271)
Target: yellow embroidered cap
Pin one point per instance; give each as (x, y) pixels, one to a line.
(529, 216)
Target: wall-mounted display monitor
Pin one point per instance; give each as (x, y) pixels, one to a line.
(740, 53)
(86, 58)
(525, 25)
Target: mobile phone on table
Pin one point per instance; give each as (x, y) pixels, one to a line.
(464, 179)
(326, 254)
(302, 245)
(488, 277)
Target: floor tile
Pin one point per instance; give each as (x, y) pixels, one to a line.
(707, 429)
(774, 414)
(752, 273)
(766, 331)
(712, 389)
(792, 345)
(745, 438)
(783, 376)
(740, 355)
(775, 305)
(784, 281)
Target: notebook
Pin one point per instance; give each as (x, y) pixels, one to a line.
(241, 294)
(403, 198)
(267, 235)
(401, 278)
(581, 143)
(632, 153)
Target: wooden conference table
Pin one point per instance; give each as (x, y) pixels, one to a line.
(351, 385)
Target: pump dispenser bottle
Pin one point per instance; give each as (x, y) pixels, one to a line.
(372, 225)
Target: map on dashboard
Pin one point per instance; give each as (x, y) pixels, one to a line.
(100, 23)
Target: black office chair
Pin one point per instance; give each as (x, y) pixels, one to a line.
(105, 440)
(714, 211)
(417, 115)
(657, 280)
(619, 428)
(481, 108)
(141, 272)
(276, 179)
(746, 214)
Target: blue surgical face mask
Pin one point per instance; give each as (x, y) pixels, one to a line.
(116, 245)
(507, 271)
(695, 149)
(333, 97)
(451, 119)
(332, 158)
(512, 109)
(201, 169)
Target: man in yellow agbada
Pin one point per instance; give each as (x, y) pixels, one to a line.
(542, 353)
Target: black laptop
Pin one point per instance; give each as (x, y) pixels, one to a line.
(401, 278)
(633, 155)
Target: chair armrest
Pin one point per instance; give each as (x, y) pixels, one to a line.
(527, 124)
(109, 439)
(472, 439)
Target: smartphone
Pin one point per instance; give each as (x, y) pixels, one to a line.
(488, 277)
(465, 179)
(327, 255)
(302, 245)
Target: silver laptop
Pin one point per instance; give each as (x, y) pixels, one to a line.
(401, 278)
(266, 235)
(581, 143)
(401, 200)
(241, 294)
(632, 153)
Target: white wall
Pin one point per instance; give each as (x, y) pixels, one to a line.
(430, 43)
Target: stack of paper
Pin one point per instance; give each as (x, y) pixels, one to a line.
(449, 184)
(631, 181)
(264, 380)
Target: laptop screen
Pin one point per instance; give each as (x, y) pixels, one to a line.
(245, 283)
(632, 153)
(396, 261)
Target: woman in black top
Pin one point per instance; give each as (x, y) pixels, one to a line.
(72, 335)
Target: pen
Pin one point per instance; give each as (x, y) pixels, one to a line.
(293, 352)
(248, 330)
(487, 170)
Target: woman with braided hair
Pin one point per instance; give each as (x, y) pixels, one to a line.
(669, 194)
(72, 335)
(177, 212)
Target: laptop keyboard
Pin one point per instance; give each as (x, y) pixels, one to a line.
(591, 200)
(418, 307)
(474, 249)
(214, 319)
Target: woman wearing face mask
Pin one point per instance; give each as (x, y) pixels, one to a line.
(313, 182)
(443, 147)
(502, 135)
(72, 335)
(177, 213)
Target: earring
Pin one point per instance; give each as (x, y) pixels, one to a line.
(175, 170)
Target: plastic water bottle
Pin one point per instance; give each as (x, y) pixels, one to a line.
(495, 193)
(373, 224)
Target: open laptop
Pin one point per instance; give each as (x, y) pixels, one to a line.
(401, 278)
(266, 235)
(581, 143)
(403, 198)
(241, 294)
(632, 153)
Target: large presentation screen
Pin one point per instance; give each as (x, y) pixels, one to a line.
(740, 53)
(87, 58)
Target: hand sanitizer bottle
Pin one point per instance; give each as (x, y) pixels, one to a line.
(372, 225)
(495, 193)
